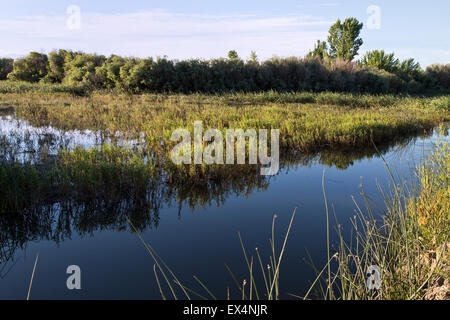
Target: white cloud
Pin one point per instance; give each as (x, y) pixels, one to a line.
(158, 32)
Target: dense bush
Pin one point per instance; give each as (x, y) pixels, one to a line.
(380, 59)
(408, 70)
(312, 73)
(438, 76)
(6, 67)
(83, 68)
(32, 68)
(57, 61)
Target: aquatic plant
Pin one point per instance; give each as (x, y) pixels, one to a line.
(407, 241)
(307, 122)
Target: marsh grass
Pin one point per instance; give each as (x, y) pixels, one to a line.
(413, 229)
(111, 172)
(307, 121)
(39, 167)
(22, 87)
(408, 241)
(249, 288)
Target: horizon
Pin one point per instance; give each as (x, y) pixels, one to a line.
(202, 30)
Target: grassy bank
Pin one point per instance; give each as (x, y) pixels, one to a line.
(307, 121)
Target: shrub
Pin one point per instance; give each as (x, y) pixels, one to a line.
(438, 76)
(6, 67)
(379, 74)
(32, 68)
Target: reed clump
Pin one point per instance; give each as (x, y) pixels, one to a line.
(408, 242)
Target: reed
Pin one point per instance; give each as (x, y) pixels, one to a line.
(249, 289)
(408, 241)
(307, 122)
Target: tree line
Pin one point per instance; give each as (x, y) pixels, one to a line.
(329, 66)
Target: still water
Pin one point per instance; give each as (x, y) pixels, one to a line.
(195, 230)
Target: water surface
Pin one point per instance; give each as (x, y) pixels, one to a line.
(194, 229)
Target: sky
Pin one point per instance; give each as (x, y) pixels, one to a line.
(184, 29)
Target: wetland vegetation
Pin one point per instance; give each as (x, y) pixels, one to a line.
(85, 145)
(52, 186)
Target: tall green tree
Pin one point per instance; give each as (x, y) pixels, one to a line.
(343, 38)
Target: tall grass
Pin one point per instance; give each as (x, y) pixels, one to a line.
(21, 87)
(409, 242)
(307, 122)
(249, 289)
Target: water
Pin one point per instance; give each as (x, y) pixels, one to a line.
(193, 232)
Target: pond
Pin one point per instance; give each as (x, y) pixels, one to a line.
(193, 228)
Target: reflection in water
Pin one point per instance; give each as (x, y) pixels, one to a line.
(55, 215)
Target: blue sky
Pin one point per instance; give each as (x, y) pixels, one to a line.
(205, 29)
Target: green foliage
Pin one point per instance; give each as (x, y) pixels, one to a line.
(56, 71)
(82, 68)
(109, 72)
(381, 60)
(441, 102)
(409, 245)
(344, 43)
(307, 121)
(32, 68)
(232, 55)
(344, 38)
(316, 72)
(408, 70)
(136, 75)
(6, 67)
(438, 76)
(21, 87)
(253, 57)
(320, 50)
